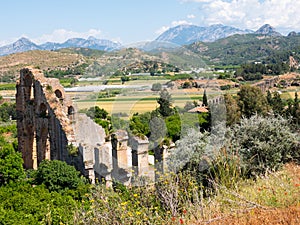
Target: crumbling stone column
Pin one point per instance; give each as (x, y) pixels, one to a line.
(139, 151)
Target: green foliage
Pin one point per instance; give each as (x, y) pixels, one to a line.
(264, 143)
(124, 79)
(118, 123)
(156, 87)
(11, 163)
(165, 103)
(7, 86)
(226, 168)
(204, 100)
(97, 112)
(72, 150)
(104, 123)
(173, 124)
(255, 71)
(139, 124)
(233, 113)
(7, 111)
(24, 204)
(238, 49)
(252, 101)
(78, 70)
(57, 176)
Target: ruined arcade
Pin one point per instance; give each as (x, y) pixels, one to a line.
(48, 126)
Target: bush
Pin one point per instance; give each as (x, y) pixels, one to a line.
(264, 143)
(156, 87)
(11, 163)
(57, 176)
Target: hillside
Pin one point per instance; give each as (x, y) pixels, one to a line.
(239, 49)
(46, 60)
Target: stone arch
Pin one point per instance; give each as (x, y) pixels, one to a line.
(27, 83)
(43, 110)
(58, 94)
(28, 80)
(71, 110)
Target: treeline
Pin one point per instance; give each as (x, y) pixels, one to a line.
(78, 70)
(255, 71)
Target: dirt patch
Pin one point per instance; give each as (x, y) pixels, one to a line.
(290, 216)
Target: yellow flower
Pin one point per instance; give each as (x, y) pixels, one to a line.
(138, 213)
(124, 203)
(135, 195)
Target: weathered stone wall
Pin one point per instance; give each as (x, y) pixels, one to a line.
(42, 118)
(48, 125)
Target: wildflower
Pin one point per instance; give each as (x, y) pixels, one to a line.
(124, 203)
(135, 195)
(181, 221)
(184, 211)
(173, 218)
(138, 213)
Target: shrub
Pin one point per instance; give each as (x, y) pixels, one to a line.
(156, 87)
(11, 163)
(57, 176)
(264, 143)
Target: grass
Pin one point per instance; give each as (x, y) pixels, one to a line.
(132, 104)
(275, 193)
(178, 199)
(11, 86)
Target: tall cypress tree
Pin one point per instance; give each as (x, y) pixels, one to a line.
(165, 103)
(205, 101)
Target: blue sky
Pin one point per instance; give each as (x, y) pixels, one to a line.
(130, 21)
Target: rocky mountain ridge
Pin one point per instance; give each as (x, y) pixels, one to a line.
(24, 44)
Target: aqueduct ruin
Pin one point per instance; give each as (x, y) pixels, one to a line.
(50, 128)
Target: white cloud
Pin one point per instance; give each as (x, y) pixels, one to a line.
(251, 14)
(191, 16)
(62, 35)
(173, 24)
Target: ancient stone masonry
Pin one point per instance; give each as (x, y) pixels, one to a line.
(49, 128)
(43, 118)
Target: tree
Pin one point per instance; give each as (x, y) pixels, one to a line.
(124, 79)
(57, 176)
(173, 124)
(156, 87)
(97, 112)
(252, 101)
(205, 101)
(295, 111)
(139, 124)
(233, 113)
(277, 104)
(11, 163)
(165, 103)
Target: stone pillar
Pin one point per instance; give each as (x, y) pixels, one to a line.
(25, 117)
(140, 162)
(120, 150)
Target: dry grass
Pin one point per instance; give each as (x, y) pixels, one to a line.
(41, 59)
(274, 199)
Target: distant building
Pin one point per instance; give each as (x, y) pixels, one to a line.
(199, 109)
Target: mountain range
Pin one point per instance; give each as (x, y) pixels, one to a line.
(175, 36)
(24, 44)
